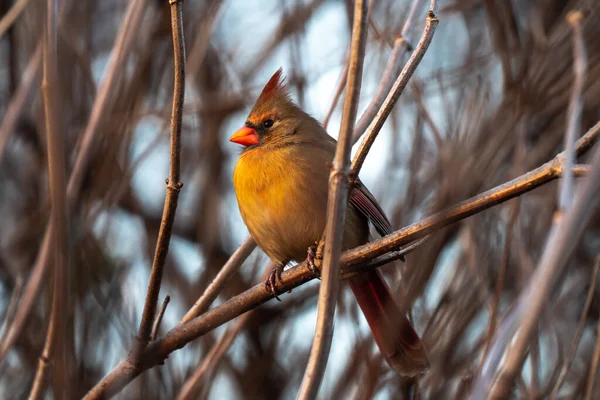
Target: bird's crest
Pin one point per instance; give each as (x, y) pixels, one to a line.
(275, 87)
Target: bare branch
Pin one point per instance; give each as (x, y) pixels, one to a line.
(216, 353)
(30, 76)
(402, 44)
(575, 107)
(173, 183)
(579, 331)
(159, 317)
(338, 93)
(11, 16)
(57, 174)
(337, 201)
(213, 290)
(589, 391)
(397, 89)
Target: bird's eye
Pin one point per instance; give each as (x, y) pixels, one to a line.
(267, 123)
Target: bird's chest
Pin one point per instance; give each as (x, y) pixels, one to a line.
(281, 202)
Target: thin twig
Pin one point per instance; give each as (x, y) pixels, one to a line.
(214, 288)
(123, 42)
(12, 304)
(337, 95)
(178, 337)
(589, 391)
(580, 170)
(575, 107)
(567, 226)
(11, 15)
(120, 50)
(500, 281)
(579, 331)
(21, 96)
(397, 89)
(57, 176)
(343, 78)
(173, 182)
(212, 358)
(402, 44)
(159, 317)
(339, 179)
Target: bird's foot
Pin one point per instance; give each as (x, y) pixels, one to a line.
(272, 279)
(313, 259)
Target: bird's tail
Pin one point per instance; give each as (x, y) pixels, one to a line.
(397, 340)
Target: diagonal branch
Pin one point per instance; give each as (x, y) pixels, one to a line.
(397, 88)
(402, 44)
(579, 331)
(212, 291)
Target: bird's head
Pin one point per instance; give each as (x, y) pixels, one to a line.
(274, 119)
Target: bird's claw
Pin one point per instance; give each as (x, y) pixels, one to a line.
(312, 256)
(272, 279)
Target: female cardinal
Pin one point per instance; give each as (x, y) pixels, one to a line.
(281, 184)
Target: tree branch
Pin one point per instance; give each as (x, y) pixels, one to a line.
(58, 200)
(336, 212)
(159, 317)
(579, 331)
(575, 107)
(402, 44)
(11, 16)
(397, 88)
(214, 288)
(589, 390)
(173, 183)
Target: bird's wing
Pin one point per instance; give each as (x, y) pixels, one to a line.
(363, 201)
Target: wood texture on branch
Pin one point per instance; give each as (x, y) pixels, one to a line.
(173, 182)
(53, 352)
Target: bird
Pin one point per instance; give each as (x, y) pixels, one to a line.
(281, 185)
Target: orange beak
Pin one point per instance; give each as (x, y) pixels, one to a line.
(245, 136)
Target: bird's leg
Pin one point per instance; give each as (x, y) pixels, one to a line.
(313, 254)
(272, 279)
